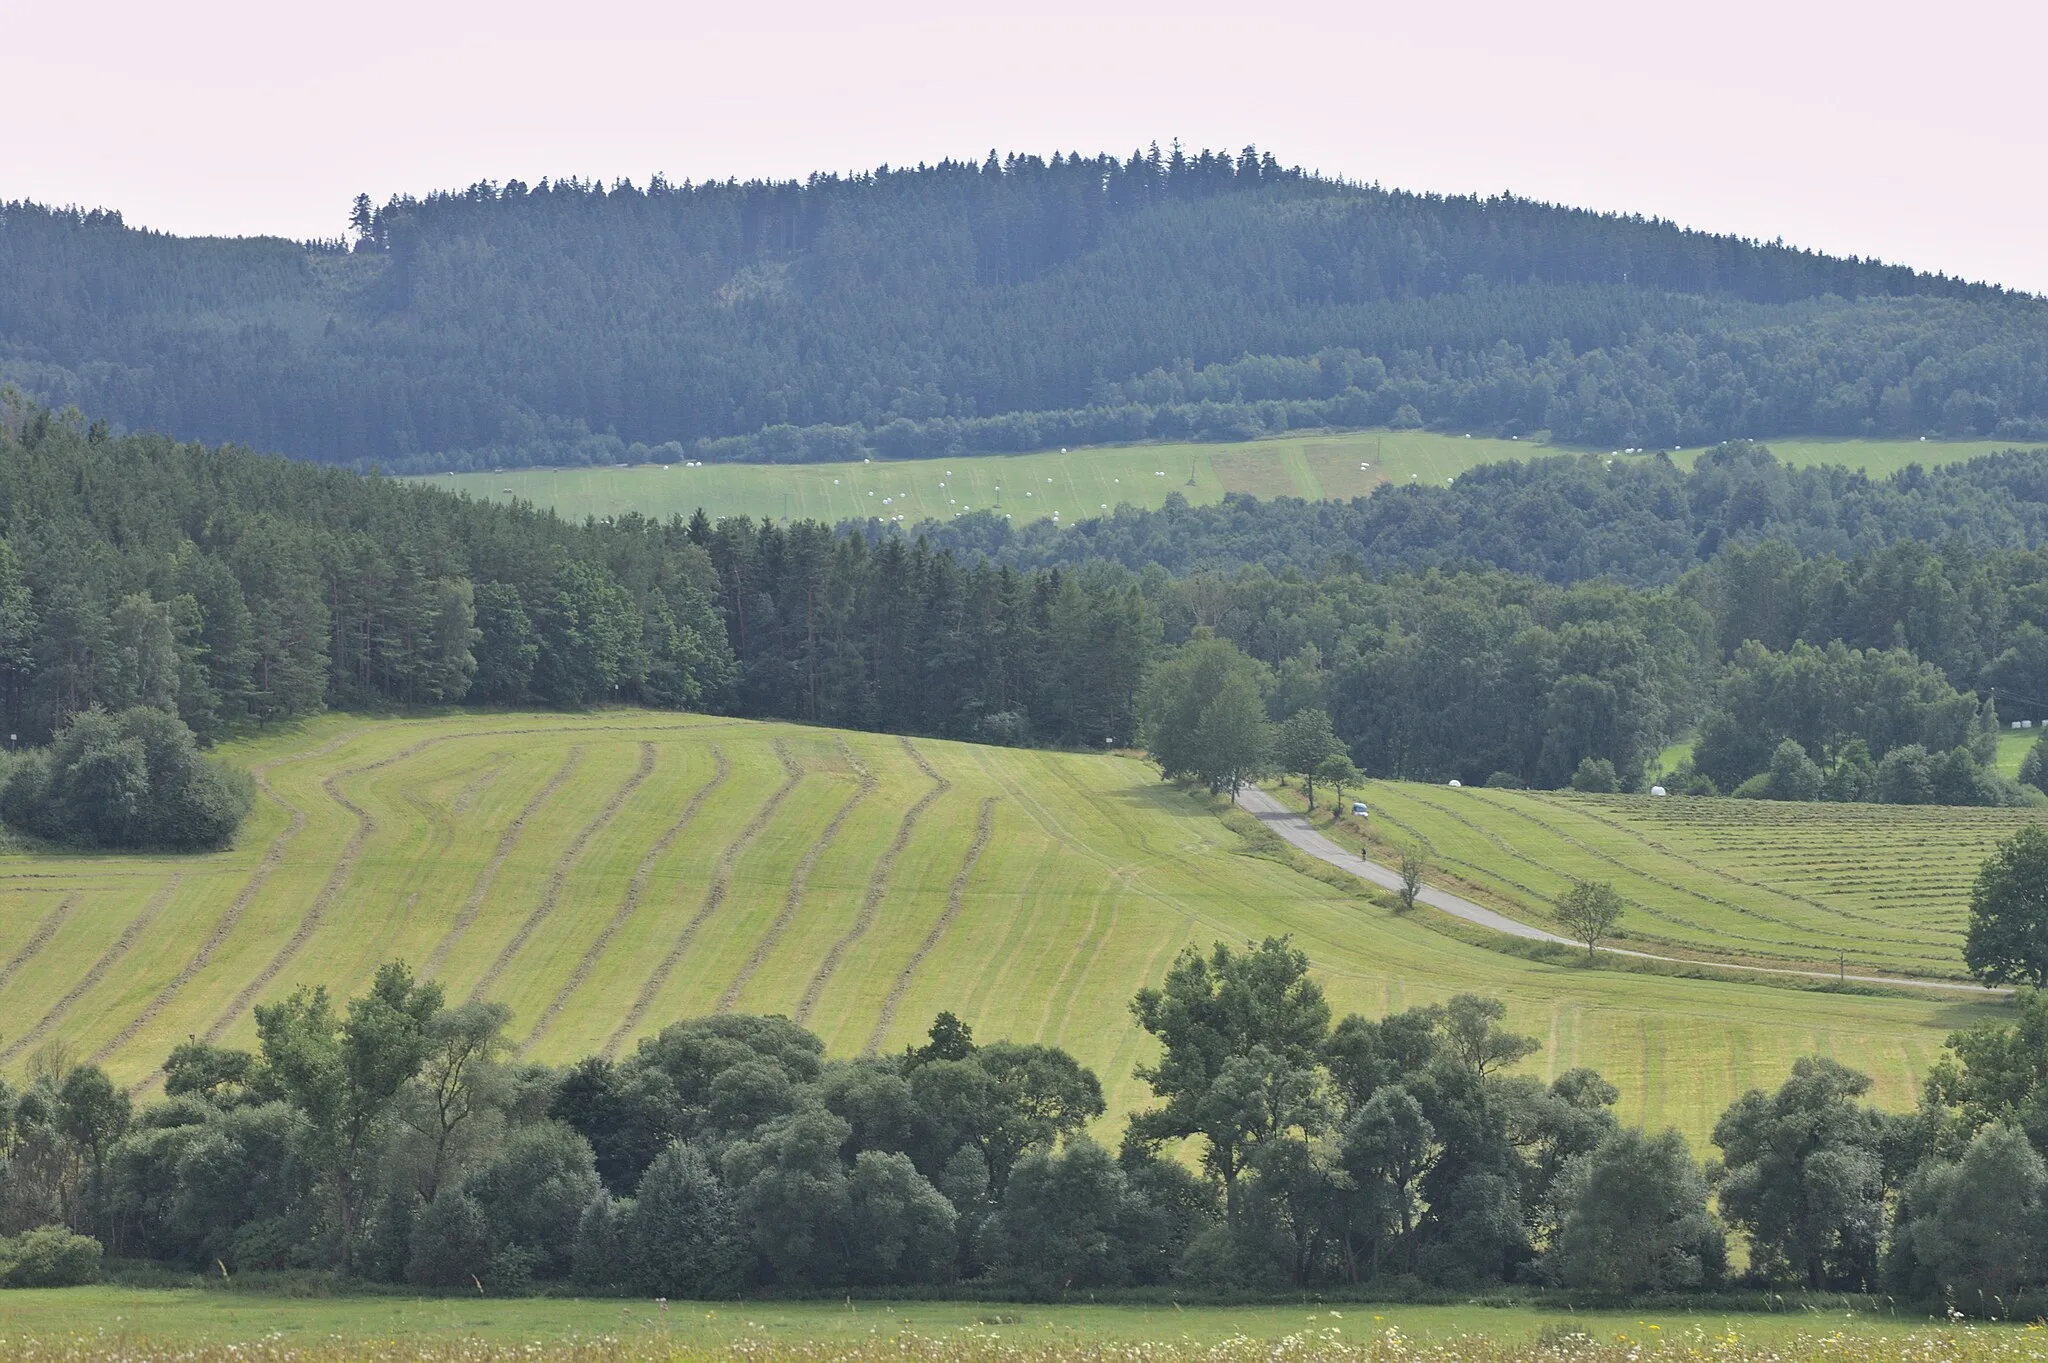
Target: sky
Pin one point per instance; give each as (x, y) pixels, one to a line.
(1912, 135)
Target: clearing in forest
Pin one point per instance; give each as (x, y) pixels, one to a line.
(1089, 481)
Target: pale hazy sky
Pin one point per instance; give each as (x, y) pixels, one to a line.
(1915, 134)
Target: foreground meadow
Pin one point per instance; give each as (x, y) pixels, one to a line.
(608, 873)
(1083, 482)
(115, 1322)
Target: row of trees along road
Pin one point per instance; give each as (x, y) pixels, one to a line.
(397, 1138)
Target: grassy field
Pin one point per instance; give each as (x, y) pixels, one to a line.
(605, 874)
(1081, 482)
(187, 1318)
(1875, 887)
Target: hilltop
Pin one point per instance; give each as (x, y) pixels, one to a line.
(1014, 303)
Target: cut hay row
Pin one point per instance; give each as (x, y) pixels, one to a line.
(630, 903)
(120, 947)
(1882, 886)
(794, 899)
(488, 877)
(877, 887)
(39, 939)
(316, 912)
(714, 897)
(984, 830)
(553, 894)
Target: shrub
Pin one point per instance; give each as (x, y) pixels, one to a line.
(682, 1235)
(134, 779)
(49, 1257)
(1978, 1228)
(1595, 775)
(1632, 1215)
(451, 1243)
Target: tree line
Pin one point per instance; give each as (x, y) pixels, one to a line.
(393, 1137)
(1564, 518)
(233, 590)
(1012, 302)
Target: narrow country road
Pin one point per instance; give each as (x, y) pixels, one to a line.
(1296, 829)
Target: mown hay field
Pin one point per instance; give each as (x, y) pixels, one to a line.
(608, 873)
(1082, 482)
(1861, 888)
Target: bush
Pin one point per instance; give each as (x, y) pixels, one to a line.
(134, 779)
(2034, 766)
(1506, 780)
(1595, 775)
(682, 1237)
(1632, 1215)
(1978, 1228)
(49, 1257)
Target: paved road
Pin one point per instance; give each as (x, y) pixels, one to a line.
(1297, 830)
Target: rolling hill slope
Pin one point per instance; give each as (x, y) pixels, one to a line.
(605, 874)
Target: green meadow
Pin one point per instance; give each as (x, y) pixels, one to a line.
(1861, 888)
(605, 874)
(115, 1316)
(1075, 484)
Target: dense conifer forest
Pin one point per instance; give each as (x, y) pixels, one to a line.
(234, 589)
(1016, 303)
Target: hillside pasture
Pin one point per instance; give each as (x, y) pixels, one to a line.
(608, 873)
(1881, 888)
(1083, 482)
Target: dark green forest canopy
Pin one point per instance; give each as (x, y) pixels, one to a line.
(235, 589)
(1004, 305)
(1565, 519)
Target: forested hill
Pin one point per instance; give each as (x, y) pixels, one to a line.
(1010, 304)
(1566, 518)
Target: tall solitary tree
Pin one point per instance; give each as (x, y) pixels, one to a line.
(1590, 911)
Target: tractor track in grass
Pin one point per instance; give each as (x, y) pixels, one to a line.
(97, 972)
(793, 900)
(316, 912)
(563, 865)
(878, 885)
(984, 832)
(474, 904)
(38, 939)
(714, 897)
(629, 905)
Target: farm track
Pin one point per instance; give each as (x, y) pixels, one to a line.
(721, 884)
(121, 945)
(630, 904)
(474, 904)
(878, 885)
(793, 900)
(563, 865)
(38, 939)
(984, 832)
